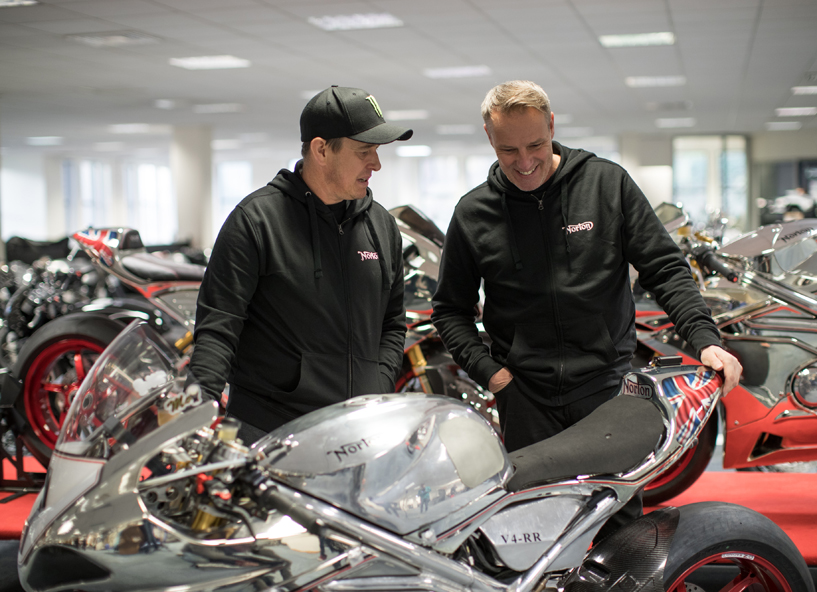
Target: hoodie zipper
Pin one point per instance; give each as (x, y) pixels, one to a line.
(554, 300)
(348, 308)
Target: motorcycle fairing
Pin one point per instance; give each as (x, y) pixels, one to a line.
(632, 558)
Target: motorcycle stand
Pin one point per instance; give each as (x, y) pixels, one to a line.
(12, 449)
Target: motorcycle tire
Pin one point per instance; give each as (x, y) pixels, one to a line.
(51, 366)
(680, 476)
(749, 550)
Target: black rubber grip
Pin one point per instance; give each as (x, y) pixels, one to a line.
(712, 263)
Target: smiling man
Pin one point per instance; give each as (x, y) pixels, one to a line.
(550, 236)
(302, 302)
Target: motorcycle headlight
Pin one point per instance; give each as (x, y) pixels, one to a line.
(805, 386)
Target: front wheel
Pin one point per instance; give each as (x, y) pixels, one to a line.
(51, 367)
(756, 553)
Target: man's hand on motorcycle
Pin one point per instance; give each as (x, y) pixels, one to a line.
(719, 359)
(500, 380)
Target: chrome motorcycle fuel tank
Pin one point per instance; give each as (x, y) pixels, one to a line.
(402, 461)
(776, 247)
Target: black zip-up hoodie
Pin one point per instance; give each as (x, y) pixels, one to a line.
(296, 310)
(558, 304)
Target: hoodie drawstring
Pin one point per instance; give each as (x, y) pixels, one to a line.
(517, 260)
(381, 259)
(316, 241)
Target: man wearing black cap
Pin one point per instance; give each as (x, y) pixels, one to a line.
(302, 302)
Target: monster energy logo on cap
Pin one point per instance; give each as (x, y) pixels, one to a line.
(341, 112)
(373, 101)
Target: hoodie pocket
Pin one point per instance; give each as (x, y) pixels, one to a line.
(322, 381)
(588, 350)
(585, 349)
(535, 352)
(367, 379)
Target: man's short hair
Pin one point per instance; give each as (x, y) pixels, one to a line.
(513, 96)
(333, 144)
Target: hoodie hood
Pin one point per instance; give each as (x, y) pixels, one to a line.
(292, 184)
(572, 160)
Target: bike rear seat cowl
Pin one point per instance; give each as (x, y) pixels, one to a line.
(152, 268)
(614, 438)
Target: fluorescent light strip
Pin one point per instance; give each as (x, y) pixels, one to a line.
(675, 122)
(653, 81)
(44, 140)
(406, 115)
(804, 90)
(561, 118)
(637, 40)
(138, 128)
(782, 126)
(457, 72)
(413, 151)
(354, 22)
(308, 94)
(218, 108)
(13, 3)
(226, 144)
(796, 111)
(114, 38)
(218, 62)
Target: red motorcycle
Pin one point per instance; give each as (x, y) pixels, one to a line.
(38, 388)
(761, 290)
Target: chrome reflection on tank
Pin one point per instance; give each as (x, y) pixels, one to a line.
(407, 460)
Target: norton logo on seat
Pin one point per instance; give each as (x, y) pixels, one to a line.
(631, 387)
(577, 227)
(367, 255)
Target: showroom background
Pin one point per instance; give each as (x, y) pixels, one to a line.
(162, 114)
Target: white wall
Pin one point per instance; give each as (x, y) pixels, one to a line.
(23, 192)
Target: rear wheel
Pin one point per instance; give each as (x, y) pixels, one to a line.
(750, 551)
(680, 476)
(51, 366)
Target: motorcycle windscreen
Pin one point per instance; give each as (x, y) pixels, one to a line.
(133, 388)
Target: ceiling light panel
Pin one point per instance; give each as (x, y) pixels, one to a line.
(796, 111)
(417, 150)
(13, 3)
(217, 62)
(654, 81)
(138, 128)
(675, 122)
(780, 126)
(457, 72)
(637, 40)
(114, 38)
(355, 22)
(218, 108)
(44, 140)
(406, 115)
(804, 90)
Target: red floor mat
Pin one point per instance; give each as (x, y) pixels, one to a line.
(14, 513)
(789, 499)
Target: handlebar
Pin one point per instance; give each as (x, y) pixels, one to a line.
(706, 257)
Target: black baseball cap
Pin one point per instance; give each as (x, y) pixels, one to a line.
(342, 112)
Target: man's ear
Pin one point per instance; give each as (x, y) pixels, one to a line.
(318, 149)
(488, 132)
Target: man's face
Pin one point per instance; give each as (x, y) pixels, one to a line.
(349, 169)
(522, 142)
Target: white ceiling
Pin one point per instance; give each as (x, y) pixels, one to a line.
(740, 59)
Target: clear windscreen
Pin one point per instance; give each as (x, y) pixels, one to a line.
(133, 388)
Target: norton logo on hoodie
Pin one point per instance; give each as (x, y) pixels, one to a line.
(367, 255)
(571, 228)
